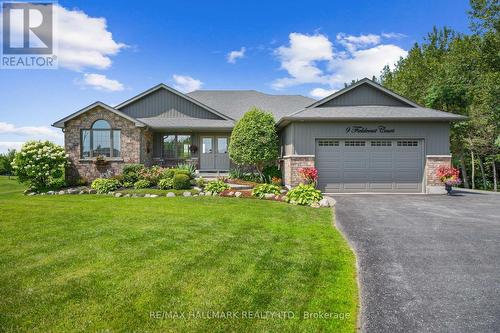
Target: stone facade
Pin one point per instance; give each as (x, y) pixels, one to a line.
(291, 163)
(136, 146)
(432, 163)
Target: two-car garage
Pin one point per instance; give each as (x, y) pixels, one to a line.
(364, 165)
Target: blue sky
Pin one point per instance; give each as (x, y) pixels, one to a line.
(110, 51)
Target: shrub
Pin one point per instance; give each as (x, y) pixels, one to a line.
(200, 182)
(270, 172)
(181, 182)
(166, 183)
(39, 162)
(254, 140)
(152, 175)
(168, 173)
(188, 167)
(308, 174)
(183, 172)
(263, 189)
(216, 186)
(303, 195)
(104, 185)
(56, 184)
(6, 162)
(276, 181)
(131, 172)
(142, 183)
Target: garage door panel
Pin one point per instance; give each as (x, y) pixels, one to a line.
(378, 166)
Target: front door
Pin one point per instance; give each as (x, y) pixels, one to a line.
(214, 155)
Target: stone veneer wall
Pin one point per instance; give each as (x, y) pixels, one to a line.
(136, 145)
(291, 163)
(432, 163)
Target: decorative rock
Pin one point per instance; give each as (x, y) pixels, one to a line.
(135, 195)
(43, 193)
(269, 195)
(92, 191)
(196, 188)
(201, 194)
(147, 195)
(208, 193)
(230, 194)
(237, 194)
(186, 194)
(82, 192)
(117, 195)
(283, 191)
(170, 194)
(72, 191)
(153, 196)
(126, 195)
(277, 197)
(31, 194)
(51, 193)
(61, 192)
(315, 205)
(195, 195)
(324, 202)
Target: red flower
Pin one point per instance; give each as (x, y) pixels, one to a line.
(449, 175)
(309, 174)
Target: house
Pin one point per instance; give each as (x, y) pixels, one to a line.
(363, 138)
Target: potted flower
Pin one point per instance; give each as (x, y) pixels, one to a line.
(309, 175)
(100, 160)
(449, 176)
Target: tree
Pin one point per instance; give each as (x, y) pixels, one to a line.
(254, 140)
(6, 162)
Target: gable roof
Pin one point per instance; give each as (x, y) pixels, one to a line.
(60, 123)
(176, 92)
(364, 81)
(235, 103)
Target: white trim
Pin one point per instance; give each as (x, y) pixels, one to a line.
(61, 123)
(357, 84)
(176, 92)
(437, 156)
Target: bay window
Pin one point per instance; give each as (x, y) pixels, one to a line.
(100, 140)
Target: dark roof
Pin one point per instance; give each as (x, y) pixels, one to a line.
(395, 113)
(234, 103)
(187, 123)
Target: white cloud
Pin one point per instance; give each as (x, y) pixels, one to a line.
(321, 93)
(186, 83)
(31, 131)
(25, 133)
(81, 41)
(300, 59)
(6, 145)
(393, 35)
(101, 82)
(234, 55)
(313, 59)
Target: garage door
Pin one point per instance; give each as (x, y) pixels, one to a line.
(369, 165)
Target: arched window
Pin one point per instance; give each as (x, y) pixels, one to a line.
(100, 140)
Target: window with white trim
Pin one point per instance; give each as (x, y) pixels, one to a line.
(328, 143)
(407, 143)
(354, 143)
(381, 143)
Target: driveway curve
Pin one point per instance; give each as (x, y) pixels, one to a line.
(427, 263)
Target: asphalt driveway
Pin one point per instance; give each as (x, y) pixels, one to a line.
(427, 263)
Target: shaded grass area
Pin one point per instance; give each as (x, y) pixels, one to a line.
(74, 263)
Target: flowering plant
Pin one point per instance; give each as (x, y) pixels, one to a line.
(39, 163)
(449, 175)
(308, 174)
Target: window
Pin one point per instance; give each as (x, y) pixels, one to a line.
(328, 143)
(176, 146)
(408, 143)
(381, 143)
(207, 146)
(100, 140)
(354, 143)
(222, 145)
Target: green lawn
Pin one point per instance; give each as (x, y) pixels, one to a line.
(95, 263)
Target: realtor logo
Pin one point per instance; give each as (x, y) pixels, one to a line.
(28, 35)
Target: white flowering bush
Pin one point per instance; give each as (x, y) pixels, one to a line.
(39, 163)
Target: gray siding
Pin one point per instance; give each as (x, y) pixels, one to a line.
(163, 103)
(287, 140)
(436, 135)
(364, 95)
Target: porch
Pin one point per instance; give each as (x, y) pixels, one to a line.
(208, 151)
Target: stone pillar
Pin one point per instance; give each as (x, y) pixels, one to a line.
(433, 184)
(291, 163)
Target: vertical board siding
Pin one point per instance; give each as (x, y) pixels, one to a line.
(163, 103)
(436, 135)
(364, 95)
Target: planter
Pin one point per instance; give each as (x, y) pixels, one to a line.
(448, 189)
